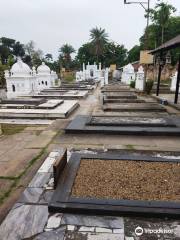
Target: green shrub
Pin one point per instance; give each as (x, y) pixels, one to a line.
(149, 85)
(132, 84)
(69, 78)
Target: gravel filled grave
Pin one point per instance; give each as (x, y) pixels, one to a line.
(125, 179)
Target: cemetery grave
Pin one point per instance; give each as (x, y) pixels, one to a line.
(56, 94)
(135, 107)
(50, 104)
(48, 109)
(124, 126)
(126, 117)
(117, 184)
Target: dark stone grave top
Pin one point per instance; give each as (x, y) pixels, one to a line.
(131, 121)
(122, 100)
(145, 107)
(146, 127)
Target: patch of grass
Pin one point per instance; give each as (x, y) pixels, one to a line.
(17, 179)
(132, 84)
(166, 81)
(130, 147)
(8, 178)
(149, 86)
(10, 129)
(69, 78)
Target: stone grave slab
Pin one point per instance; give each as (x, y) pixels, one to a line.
(50, 104)
(88, 187)
(117, 90)
(100, 113)
(125, 95)
(26, 121)
(67, 95)
(123, 126)
(24, 101)
(61, 111)
(134, 107)
(125, 100)
(130, 121)
(17, 106)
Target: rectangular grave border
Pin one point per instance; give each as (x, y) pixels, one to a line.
(79, 125)
(63, 202)
(168, 122)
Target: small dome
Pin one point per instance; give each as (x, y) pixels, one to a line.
(20, 67)
(43, 68)
(128, 68)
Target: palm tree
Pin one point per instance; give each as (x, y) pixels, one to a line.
(65, 55)
(161, 15)
(99, 38)
(66, 50)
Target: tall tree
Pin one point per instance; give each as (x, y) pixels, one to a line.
(4, 54)
(30, 48)
(8, 42)
(99, 38)
(49, 57)
(160, 15)
(85, 54)
(134, 54)
(18, 49)
(114, 54)
(36, 55)
(65, 55)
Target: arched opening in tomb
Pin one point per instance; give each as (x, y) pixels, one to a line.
(46, 83)
(91, 73)
(42, 82)
(13, 88)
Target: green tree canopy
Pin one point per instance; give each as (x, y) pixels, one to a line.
(65, 55)
(160, 16)
(99, 38)
(134, 54)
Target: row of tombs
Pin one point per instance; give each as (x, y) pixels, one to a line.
(39, 94)
(126, 75)
(60, 99)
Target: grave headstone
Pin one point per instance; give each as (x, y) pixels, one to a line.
(173, 82)
(140, 79)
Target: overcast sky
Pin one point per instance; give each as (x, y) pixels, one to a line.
(51, 23)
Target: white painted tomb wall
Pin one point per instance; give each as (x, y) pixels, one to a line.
(174, 82)
(128, 74)
(22, 81)
(89, 72)
(140, 79)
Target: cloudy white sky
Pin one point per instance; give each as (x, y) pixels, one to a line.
(51, 23)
